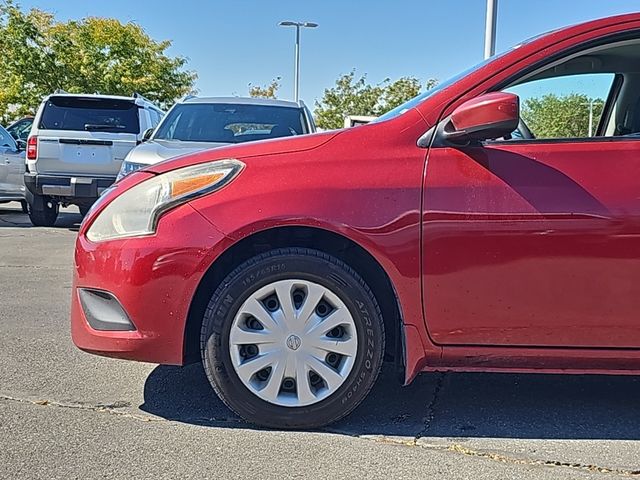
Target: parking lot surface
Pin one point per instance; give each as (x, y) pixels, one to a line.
(68, 414)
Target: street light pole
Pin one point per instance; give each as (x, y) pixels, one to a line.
(296, 72)
(490, 29)
(591, 103)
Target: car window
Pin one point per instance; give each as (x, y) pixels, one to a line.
(155, 117)
(21, 128)
(569, 106)
(230, 123)
(25, 128)
(90, 114)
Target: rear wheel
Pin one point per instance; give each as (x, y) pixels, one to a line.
(43, 211)
(84, 209)
(292, 338)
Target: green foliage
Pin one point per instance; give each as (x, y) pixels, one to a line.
(351, 96)
(39, 55)
(403, 89)
(266, 91)
(553, 116)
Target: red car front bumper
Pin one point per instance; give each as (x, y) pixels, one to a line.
(154, 279)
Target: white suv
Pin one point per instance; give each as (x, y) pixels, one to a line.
(76, 146)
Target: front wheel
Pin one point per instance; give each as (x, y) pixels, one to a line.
(292, 338)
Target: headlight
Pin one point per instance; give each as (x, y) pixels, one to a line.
(136, 211)
(129, 167)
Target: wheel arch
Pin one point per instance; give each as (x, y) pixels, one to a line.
(320, 239)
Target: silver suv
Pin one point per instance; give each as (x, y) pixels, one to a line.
(200, 123)
(76, 146)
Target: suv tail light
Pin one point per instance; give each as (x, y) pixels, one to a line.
(32, 148)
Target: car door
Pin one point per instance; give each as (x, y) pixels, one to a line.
(536, 241)
(12, 166)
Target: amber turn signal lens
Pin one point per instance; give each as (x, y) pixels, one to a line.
(184, 186)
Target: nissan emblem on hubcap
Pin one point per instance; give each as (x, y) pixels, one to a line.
(293, 342)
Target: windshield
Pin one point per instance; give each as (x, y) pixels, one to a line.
(399, 110)
(90, 114)
(447, 83)
(230, 123)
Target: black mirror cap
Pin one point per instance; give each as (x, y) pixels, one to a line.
(147, 134)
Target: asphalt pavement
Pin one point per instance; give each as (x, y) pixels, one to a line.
(67, 414)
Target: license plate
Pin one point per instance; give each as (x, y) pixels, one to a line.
(87, 154)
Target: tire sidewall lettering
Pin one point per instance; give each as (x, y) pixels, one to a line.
(251, 279)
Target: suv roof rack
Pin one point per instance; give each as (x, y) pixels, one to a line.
(59, 91)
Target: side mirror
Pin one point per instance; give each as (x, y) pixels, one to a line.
(147, 134)
(21, 144)
(489, 116)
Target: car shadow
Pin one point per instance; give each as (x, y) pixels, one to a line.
(440, 405)
(11, 216)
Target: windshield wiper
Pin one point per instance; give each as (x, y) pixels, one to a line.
(104, 126)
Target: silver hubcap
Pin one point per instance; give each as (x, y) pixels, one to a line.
(293, 343)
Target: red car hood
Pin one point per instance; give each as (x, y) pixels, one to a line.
(245, 150)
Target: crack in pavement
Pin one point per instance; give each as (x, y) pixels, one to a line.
(114, 409)
(431, 407)
(419, 441)
(415, 442)
(548, 463)
(497, 457)
(111, 408)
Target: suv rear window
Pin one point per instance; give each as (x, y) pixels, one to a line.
(230, 123)
(90, 114)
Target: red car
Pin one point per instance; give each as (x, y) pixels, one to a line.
(447, 235)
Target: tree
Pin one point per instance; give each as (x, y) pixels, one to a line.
(553, 116)
(39, 55)
(403, 89)
(351, 96)
(266, 91)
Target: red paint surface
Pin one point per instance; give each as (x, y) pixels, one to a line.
(510, 257)
(489, 109)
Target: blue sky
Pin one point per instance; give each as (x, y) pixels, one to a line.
(233, 43)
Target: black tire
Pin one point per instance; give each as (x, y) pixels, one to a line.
(43, 212)
(283, 264)
(84, 209)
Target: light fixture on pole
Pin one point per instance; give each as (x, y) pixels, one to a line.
(298, 25)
